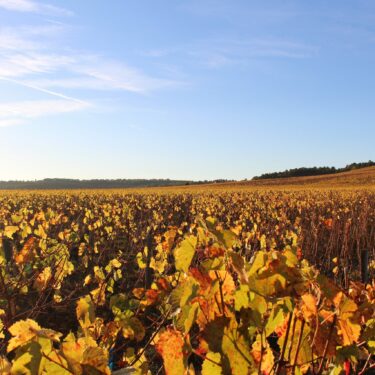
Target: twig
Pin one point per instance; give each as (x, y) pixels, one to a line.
(327, 344)
(221, 291)
(279, 363)
(298, 346)
(139, 355)
(366, 364)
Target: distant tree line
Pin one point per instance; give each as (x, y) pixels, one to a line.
(314, 171)
(65, 183)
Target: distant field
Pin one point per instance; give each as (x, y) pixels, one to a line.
(364, 176)
(360, 178)
(357, 179)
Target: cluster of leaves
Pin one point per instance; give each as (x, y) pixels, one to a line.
(93, 283)
(274, 314)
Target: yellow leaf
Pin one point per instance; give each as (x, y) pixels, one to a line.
(10, 230)
(56, 364)
(42, 280)
(17, 218)
(115, 263)
(27, 330)
(5, 366)
(212, 364)
(308, 306)
(23, 331)
(98, 294)
(40, 232)
(85, 312)
(73, 352)
(19, 365)
(97, 358)
(348, 319)
(87, 280)
(184, 253)
(2, 312)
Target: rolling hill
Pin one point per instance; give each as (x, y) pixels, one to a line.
(357, 177)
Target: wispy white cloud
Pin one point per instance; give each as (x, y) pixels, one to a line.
(25, 64)
(11, 122)
(42, 89)
(34, 7)
(99, 73)
(30, 57)
(24, 57)
(78, 72)
(216, 53)
(12, 112)
(29, 38)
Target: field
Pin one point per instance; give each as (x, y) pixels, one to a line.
(253, 277)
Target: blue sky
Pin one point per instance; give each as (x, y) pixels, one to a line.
(198, 89)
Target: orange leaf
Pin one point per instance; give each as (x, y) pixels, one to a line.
(28, 252)
(171, 347)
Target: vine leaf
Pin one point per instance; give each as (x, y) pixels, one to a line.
(85, 312)
(263, 355)
(184, 253)
(27, 253)
(43, 279)
(132, 328)
(5, 366)
(211, 364)
(348, 325)
(171, 346)
(9, 230)
(27, 330)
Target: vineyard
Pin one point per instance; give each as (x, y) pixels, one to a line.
(188, 281)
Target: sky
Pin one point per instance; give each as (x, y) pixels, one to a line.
(184, 89)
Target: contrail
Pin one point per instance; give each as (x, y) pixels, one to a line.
(41, 89)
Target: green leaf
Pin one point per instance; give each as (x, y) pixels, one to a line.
(371, 346)
(132, 328)
(187, 317)
(236, 350)
(183, 293)
(226, 237)
(351, 352)
(276, 319)
(223, 336)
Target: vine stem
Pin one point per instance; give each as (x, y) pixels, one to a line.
(57, 363)
(278, 367)
(366, 364)
(221, 291)
(139, 355)
(261, 354)
(327, 344)
(293, 331)
(298, 346)
(205, 357)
